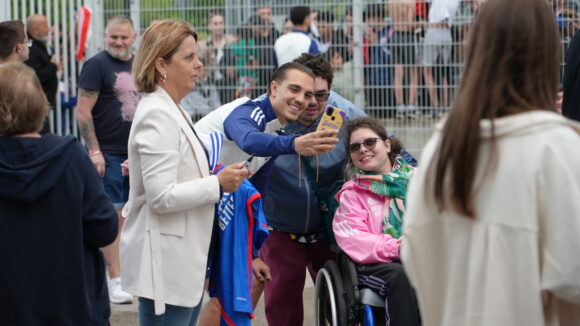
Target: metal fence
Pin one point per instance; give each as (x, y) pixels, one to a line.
(386, 57)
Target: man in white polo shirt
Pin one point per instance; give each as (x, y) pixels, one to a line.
(291, 45)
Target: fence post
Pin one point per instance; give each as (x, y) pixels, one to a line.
(135, 10)
(97, 26)
(5, 10)
(358, 25)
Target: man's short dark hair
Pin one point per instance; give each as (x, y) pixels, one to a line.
(255, 20)
(374, 10)
(11, 33)
(279, 74)
(318, 64)
(325, 16)
(259, 4)
(298, 14)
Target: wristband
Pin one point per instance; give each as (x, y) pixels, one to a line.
(91, 154)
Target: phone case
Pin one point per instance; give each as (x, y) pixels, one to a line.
(332, 119)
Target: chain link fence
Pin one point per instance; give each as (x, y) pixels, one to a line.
(387, 57)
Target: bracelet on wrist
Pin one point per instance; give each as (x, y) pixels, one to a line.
(91, 154)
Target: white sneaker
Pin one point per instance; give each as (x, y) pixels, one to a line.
(412, 112)
(116, 293)
(400, 111)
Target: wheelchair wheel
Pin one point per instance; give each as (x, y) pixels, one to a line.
(330, 308)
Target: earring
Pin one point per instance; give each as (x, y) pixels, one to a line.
(164, 78)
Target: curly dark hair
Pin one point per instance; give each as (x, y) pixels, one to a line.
(318, 64)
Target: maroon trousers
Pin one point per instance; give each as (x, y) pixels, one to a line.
(288, 261)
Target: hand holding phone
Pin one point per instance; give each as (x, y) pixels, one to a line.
(332, 119)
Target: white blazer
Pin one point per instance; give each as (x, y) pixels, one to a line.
(169, 215)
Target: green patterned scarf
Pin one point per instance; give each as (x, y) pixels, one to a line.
(393, 186)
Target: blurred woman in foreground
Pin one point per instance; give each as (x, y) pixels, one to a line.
(54, 216)
(493, 216)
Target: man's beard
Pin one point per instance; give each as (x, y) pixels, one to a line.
(118, 54)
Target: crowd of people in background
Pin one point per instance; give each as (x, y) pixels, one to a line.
(412, 52)
(203, 168)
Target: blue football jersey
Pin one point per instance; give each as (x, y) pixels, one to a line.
(242, 228)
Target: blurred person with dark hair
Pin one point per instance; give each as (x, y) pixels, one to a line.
(325, 25)
(266, 39)
(291, 45)
(377, 56)
(245, 53)
(219, 61)
(264, 10)
(571, 80)
(14, 43)
(44, 64)
(264, 35)
(343, 38)
(493, 218)
(54, 214)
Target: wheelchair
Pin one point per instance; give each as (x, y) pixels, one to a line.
(340, 301)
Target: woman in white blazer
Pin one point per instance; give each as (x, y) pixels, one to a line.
(493, 217)
(170, 212)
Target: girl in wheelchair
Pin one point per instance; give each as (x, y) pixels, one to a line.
(368, 222)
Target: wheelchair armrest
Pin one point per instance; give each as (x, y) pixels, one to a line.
(349, 267)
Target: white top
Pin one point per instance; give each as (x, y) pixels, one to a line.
(291, 45)
(170, 212)
(210, 130)
(443, 9)
(516, 263)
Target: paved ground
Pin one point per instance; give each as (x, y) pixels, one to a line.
(126, 315)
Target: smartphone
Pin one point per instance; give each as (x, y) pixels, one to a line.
(248, 161)
(332, 119)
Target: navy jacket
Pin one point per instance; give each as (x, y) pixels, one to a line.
(39, 60)
(54, 217)
(571, 82)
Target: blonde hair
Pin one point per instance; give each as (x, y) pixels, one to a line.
(161, 40)
(23, 105)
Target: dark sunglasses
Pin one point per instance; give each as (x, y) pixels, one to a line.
(321, 96)
(369, 143)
